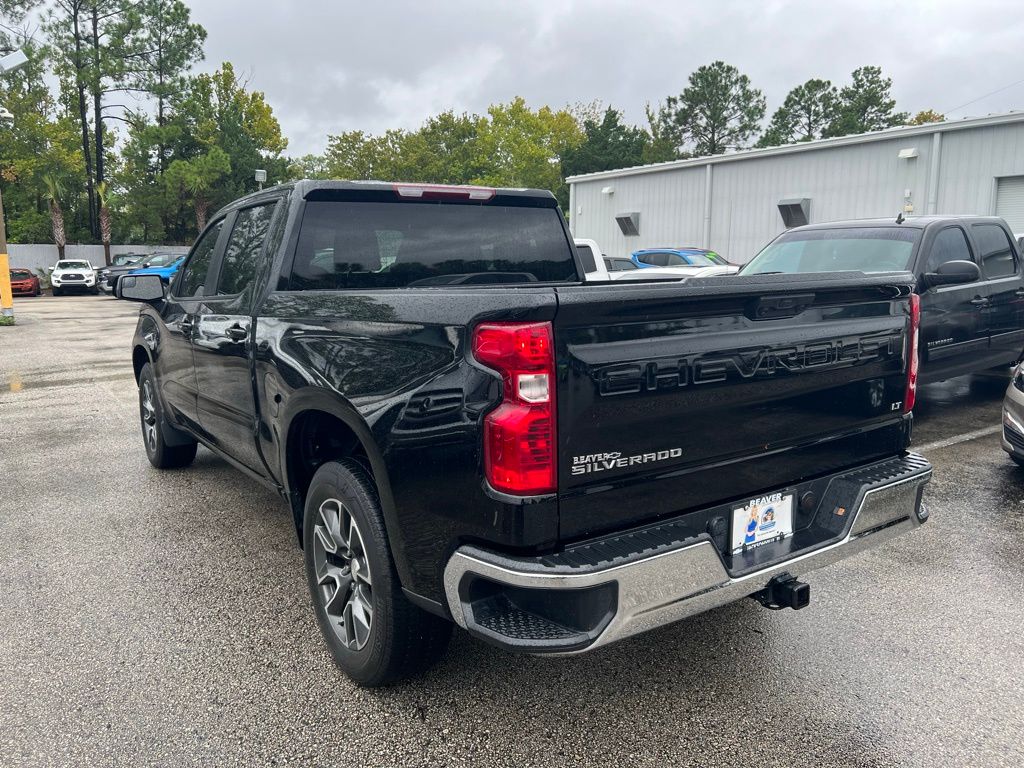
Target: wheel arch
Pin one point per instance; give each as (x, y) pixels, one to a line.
(140, 356)
(314, 414)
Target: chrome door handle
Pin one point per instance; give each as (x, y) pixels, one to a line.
(237, 332)
(979, 301)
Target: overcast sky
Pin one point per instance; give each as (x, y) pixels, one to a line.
(330, 66)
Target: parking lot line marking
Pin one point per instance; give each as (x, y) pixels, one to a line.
(962, 438)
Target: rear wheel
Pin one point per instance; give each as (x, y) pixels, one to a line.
(372, 630)
(161, 454)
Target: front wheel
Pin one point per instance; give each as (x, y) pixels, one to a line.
(372, 630)
(58, 292)
(1017, 460)
(159, 451)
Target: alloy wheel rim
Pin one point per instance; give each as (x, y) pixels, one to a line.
(148, 416)
(343, 575)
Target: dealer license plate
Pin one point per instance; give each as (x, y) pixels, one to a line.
(766, 518)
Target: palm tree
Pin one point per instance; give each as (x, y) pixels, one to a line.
(103, 195)
(54, 192)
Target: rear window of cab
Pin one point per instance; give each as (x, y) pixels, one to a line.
(367, 245)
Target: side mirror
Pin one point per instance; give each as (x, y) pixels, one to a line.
(953, 273)
(147, 288)
(50, 269)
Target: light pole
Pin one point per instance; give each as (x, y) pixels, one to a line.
(8, 63)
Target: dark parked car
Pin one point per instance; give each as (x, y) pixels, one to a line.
(121, 264)
(968, 272)
(551, 464)
(24, 283)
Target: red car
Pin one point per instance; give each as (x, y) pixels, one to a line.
(24, 283)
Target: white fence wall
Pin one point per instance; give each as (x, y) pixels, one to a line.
(37, 256)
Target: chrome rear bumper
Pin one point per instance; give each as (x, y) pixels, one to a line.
(649, 592)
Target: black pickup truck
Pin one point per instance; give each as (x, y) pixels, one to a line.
(467, 432)
(969, 276)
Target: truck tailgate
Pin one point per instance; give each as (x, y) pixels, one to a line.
(675, 396)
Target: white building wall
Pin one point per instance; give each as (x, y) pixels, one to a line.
(972, 161)
(855, 181)
(671, 209)
(844, 179)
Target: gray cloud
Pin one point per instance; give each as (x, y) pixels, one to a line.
(327, 67)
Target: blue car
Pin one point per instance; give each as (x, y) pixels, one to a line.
(677, 257)
(165, 265)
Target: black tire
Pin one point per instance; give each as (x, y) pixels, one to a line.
(1017, 460)
(58, 292)
(95, 291)
(400, 639)
(154, 426)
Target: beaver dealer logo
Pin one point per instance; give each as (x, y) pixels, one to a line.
(602, 462)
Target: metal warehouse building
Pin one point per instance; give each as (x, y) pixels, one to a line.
(735, 203)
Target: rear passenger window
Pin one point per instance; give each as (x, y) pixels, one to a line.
(193, 274)
(997, 256)
(949, 245)
(367, 245)
(242, 254)
(587, 258)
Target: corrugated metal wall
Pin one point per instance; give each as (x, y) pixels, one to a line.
(848, 181)
(671, 209)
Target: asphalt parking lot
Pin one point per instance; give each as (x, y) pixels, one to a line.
(161, 618)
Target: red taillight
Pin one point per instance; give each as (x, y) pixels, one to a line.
(912, 341)
(519, 435)
(443, 190)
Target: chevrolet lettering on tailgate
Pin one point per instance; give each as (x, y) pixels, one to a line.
(668, 373)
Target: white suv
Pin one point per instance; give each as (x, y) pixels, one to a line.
(73, 275)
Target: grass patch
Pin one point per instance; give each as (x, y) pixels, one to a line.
(6, 320)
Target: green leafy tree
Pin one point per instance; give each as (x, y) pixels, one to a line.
(310, 166)
(198, 178)
(665, 137)
(718, 109)
(359, 156)
(866, 104)
(607, 143)
(805, 115)
(926, 116)
(444, 150)
(39, 142)
(218, 110)
(165, 43)
(66, 27)
(149, 209)
(520, 147)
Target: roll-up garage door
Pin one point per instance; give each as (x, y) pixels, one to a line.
(1010, 202)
